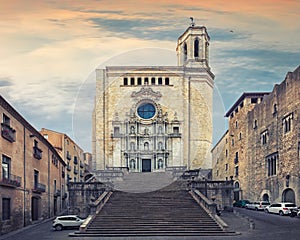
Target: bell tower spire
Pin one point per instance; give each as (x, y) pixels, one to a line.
(193, 47)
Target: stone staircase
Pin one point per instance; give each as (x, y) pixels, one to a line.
(143, 182)
(167, 212)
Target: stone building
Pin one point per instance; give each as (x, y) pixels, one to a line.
(149, 118)
(32, 173)
(260, 152)
(72, 154)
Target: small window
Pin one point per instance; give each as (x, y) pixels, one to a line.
(275, 108)
(226, 167)
(242, 105)
(236, 171)
(153, 81)
(146, 81)
(35, 178)
(6, 120)
(240, 136)
(5, 167)
(185, 51)
(196, 48)
(236, 159)
(255, 124)
(132, 81)
(125, 81)
(160, 81)
(116, 131)
(287, 123)
(236, 124)
(176, 130)
(139, 81)
(167, 81)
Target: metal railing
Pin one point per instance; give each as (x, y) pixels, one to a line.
(11, 180)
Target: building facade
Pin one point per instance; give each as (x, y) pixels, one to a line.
(32, 173)
(261, 149)
(149, 118)
(70, 152)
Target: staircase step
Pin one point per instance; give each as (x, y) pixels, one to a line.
(166, 212)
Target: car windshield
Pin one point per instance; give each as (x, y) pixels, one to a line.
(81, 218)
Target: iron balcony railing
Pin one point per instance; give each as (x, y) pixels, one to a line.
(81, 165)
(39, 187)
(8, 132)
(57, 193)
(12, 180)
(37, 153)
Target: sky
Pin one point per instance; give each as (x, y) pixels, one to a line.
(51, 48)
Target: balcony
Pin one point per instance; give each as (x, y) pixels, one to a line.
(81, 165)
(11, 181)
(81, 173)
(57, 193)
(37, 153)
(175, 135)
(75, 160)
(68, 167)
(39, 188)
(8, 132)
(75, 171)
(69, 157)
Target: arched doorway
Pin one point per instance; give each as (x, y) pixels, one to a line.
(266, 197)
(288, 195)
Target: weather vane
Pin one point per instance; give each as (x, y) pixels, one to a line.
(192, 22)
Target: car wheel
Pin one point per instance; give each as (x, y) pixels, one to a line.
(281, 213)
(256, 209)
(266, 211)
(58, 227)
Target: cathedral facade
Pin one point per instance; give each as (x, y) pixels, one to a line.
(150, 118)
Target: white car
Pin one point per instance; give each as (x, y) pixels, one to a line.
(280, 208)
(68, 221)
(258, 205)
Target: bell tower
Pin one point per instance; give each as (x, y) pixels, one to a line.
(193, 47)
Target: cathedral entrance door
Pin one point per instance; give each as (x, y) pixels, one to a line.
(146, 165)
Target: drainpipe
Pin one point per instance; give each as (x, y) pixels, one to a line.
(24, 176)
(49, 186)
(189, 124)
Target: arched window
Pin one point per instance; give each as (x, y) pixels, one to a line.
(196, 48)
(185, 51)
(146, 146)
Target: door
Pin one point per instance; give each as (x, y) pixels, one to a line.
(34, 209)
(146, 165)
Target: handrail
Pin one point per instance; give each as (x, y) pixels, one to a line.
(202, 200)
(95, 207)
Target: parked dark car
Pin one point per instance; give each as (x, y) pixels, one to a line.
(241, 203)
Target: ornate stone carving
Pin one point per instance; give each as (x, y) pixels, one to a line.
(147, 93)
